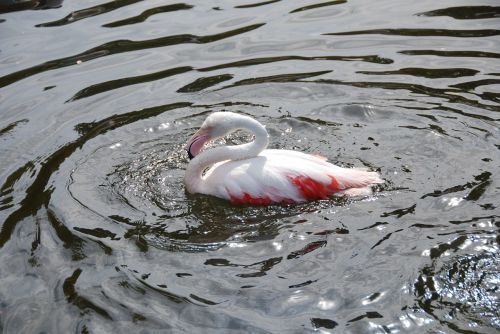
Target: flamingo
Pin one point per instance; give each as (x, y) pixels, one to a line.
(250, 174)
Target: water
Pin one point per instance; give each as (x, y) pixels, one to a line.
(98, 99)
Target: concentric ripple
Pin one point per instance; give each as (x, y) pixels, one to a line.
(139, 184)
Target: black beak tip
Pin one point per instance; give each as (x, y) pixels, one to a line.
(190, 155)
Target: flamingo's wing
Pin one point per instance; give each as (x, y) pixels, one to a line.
(319, 169)
(282, 176)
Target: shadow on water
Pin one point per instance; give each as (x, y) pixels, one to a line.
(466, 12)
(428, 72)
(257, 4)
(318, 5)
(89, 12)
(147, 13)
(422, 32)
(214, 223)
(290, 77)
(120, 46)
(7, 6)
(420, 89)
(206, 82)
(266, 60)
(11, 126)
(118, 83)
(454, 54)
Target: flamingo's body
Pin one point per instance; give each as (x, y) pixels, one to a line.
(250, 174)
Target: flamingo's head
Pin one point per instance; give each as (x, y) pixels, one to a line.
(217, 125)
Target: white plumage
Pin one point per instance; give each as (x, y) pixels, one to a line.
(250, 174)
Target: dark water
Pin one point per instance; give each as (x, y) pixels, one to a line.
(98, 98)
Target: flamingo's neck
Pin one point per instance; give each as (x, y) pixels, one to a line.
(193, 178)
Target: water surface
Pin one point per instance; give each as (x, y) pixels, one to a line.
(98, 99)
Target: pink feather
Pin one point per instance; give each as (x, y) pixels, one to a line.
(250, 174)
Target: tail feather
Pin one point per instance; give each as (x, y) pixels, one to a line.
(355, 178)
(360, 182)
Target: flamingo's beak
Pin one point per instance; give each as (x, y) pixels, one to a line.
(196, 142)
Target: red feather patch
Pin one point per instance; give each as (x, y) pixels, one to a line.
(248, 199)
(308, 188)
(311, 189)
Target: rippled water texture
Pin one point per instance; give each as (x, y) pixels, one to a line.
(98, 98)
